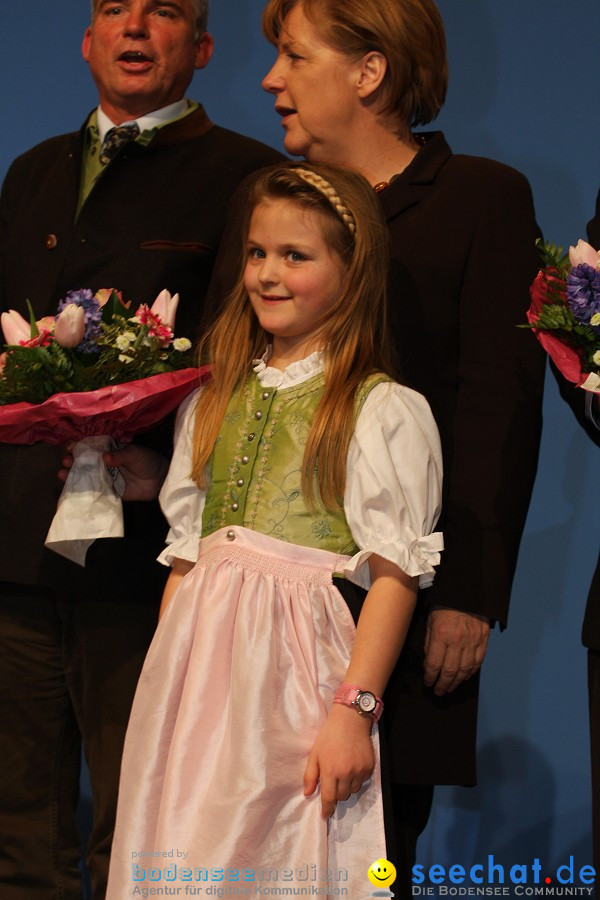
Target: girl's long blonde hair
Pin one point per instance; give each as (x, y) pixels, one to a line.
(353, 332)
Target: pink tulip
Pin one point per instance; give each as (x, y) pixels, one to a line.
(70, 326)
(584, 253)
(165, 307)
(15, 328)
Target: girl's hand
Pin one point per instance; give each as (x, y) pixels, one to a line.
(342, 757)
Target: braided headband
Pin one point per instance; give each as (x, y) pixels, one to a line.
(330, 194)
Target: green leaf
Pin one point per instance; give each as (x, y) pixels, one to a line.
(553, 257)
(113, 307)
(32, 321)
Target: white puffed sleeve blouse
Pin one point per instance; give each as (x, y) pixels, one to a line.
(393, 482)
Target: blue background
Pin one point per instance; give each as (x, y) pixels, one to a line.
(525, 82)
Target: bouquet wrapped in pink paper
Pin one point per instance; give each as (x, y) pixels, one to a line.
(96, 376)
(565, 312)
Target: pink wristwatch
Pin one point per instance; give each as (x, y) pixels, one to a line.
(364, 702)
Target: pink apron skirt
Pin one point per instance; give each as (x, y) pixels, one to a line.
(236, 685)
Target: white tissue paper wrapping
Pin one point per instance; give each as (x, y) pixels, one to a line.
(90, 506)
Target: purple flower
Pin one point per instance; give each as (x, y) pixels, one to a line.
(583, 293)
(92, 314)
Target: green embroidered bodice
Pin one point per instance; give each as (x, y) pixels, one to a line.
(257, 462)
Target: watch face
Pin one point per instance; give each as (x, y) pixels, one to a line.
(367, 702)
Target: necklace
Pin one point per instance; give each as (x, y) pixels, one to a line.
(421, 140)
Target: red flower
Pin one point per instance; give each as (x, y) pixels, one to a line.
(43, 339)
(564, 357)
(156, 329)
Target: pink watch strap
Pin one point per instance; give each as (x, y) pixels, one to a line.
(347, 694)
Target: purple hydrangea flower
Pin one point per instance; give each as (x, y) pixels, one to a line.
(583, 293)
(93, 317)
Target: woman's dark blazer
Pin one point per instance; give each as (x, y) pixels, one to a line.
(463, 237)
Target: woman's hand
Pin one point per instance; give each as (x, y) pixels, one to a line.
(342, 757)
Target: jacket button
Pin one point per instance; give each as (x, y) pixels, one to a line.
(51, 241)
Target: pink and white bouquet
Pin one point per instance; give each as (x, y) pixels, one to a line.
(94, 341)
(565, 312)
(93, 375)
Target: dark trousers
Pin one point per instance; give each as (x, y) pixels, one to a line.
(594, 704)
(68, 672)
(411, 806)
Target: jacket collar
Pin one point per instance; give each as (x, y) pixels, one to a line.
(409, 187)
(183, 129)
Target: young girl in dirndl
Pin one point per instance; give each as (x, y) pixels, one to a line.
(252, 745)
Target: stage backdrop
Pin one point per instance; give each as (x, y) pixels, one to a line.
(524, 89)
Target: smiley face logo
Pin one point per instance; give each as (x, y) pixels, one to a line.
(382, 873)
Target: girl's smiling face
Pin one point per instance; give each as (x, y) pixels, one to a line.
(292, 277)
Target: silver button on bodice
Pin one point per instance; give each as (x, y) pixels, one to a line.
(235, 507)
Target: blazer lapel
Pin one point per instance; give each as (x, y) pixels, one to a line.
(411, 186)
